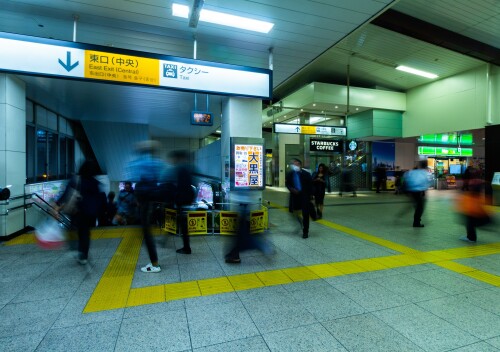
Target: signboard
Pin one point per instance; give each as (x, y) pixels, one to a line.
(326, 145)
(257, 221)
(170, 224)
(447, 138)
(197, 222)
(442, 151)
(228, 222)
(310, 129)
(48, 57)
(247, 163)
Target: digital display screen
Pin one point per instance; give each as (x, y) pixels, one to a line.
(202, 118)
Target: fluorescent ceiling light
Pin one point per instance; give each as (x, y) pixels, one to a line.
(294, 122)
(416, 72)
(224, 19)
(316, 119)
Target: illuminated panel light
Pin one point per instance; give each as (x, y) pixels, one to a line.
(316, 119)
(416, 72)
(224, 19)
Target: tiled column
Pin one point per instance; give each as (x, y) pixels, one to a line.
(12, 146)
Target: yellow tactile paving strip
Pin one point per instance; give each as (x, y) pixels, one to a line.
(114, 289)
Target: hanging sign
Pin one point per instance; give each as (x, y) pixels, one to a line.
(310, 129)
(49, 57)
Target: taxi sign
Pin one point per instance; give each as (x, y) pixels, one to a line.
(49, 57)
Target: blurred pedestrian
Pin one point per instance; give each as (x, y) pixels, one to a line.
(126, 213)
(149, 171)
(299, 183)
(381, 178)
(321, 183)
(471, 204)
(185, 193)
(416, 183)
(88, 206)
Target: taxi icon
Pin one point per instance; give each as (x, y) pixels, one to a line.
(169, 73)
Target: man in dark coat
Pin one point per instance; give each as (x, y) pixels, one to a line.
(299, 183)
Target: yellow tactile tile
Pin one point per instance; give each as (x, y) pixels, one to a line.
(443, 255)
(182, 290)
(409, 259)
(274, 277)
(245, 281)
(456, 267)
(484, 277)
(324, 270)
(348, 267)
(427, 257)
(27, 238)
(389, 262)
(370, 264)
(300, 274)
(215, 286)
(146, 295)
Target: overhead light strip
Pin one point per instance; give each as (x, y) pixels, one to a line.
(417, 72)
(224, 19)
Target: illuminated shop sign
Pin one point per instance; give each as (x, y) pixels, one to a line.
(325, 145)
(441, 151)
(447, 138)
(48, 57)
(248, 155)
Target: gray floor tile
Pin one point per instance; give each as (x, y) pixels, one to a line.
(367, 333)
(21, 343)
(200, 270)
(476, 347)
(495, 342)
(410, 288)
(476, 321)
(327, 303)
(29, 317)
(168, 274)
(212, 299)
(370, 295)
(262, 293)
(487, 299)
(250, 344)
(247, 265)
(9, 291)
(167, 331)
(425, 329)
(88, 337)
(219, 323)
(447, 281)
(278, 313)
(307, 285)
(24, 270)
(303, 338)
(157, 308)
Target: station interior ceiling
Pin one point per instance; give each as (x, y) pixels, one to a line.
(332, 41)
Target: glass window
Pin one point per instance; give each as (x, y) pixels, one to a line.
(62, 158)
(53, 170)
(71, 156)
(41, 155)
(30, 153)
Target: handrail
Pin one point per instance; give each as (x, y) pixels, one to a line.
(50, 206)
(67, 224)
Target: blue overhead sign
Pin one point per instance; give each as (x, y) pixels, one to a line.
(48, 57)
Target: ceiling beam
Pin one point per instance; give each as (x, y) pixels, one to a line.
(410, 26)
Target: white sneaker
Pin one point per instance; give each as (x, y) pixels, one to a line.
(466, 239)
(150, 268)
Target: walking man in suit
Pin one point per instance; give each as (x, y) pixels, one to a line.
(299, 183)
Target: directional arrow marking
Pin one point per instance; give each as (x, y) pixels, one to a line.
(68, 66)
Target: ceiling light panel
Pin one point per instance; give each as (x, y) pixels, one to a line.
(416, 72)
(224, 19)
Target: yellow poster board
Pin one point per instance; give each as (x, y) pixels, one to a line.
(228, 222)
(197, 222)
(170, 224)
(257, 221)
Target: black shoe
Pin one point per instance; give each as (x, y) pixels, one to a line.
(233, 260)
(418, 225)
(184, 250)
(305, 235)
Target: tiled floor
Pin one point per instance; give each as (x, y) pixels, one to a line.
(365, 280)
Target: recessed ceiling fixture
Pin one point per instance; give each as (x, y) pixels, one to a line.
(416, 72)
(224, 19)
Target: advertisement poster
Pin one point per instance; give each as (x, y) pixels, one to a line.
(248, 166)
(384, 160)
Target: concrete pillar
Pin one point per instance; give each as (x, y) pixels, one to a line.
(241, 117)
(12, 146)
